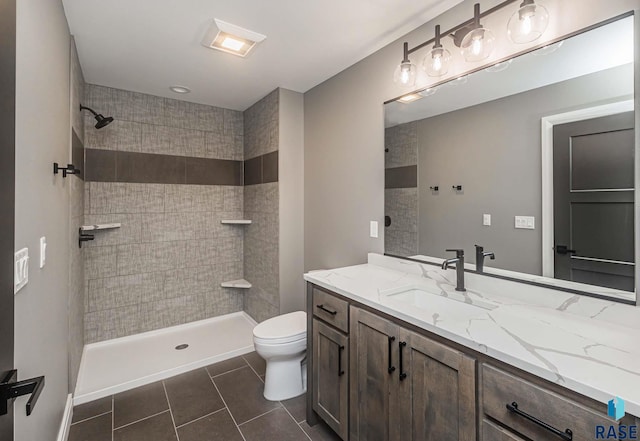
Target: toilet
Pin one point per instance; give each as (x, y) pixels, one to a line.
(282, 342)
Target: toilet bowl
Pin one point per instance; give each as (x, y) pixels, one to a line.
(282, 342)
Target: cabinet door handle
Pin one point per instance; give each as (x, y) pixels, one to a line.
(327, 310)
(567, 435)
(340, 371)
(401, 373)
(391, 367)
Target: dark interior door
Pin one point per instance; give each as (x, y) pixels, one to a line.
(593, 180)
(7, 193)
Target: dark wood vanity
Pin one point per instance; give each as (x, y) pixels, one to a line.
(374, 377)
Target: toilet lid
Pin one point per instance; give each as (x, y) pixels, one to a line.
(283, 328)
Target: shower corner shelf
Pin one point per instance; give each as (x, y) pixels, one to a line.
(240, 283)
(85, 237)
(235, 221)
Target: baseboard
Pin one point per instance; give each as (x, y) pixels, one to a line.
(65, 425)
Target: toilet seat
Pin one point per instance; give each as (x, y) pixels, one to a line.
(282, 329)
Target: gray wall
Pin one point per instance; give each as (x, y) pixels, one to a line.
(291, 180)
(76, 219)
(42, 209)
(261, 244)
(344, 135)
(497, 158)
(165, 265)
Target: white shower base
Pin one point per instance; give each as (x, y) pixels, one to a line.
(120, 364)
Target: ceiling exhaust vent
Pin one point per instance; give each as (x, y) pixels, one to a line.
(230, 38)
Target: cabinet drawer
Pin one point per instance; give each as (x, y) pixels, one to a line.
(500, 389)
(331, 309)
(492, 432)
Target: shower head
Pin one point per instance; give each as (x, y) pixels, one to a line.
(101, 121)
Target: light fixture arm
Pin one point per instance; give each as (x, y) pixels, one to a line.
(469, 22)
(437, 43)
(405, 58)
(476, 16)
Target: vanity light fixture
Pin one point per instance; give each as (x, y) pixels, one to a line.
(232, 39)
(528, 23)
(436, 63)
(476, 42)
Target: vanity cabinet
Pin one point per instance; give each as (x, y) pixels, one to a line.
(330, 376)
(328, 357)
(514, 403)
(405, 386)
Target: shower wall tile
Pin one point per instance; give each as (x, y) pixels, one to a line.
(233, 198)
(118, 197)
(111, 323)
(99, 262)
(150, 257)
(261, 126)
(115, 292)
(259, 309)
(121, 135)
(156, 139)
(197, 198)
(402, 144)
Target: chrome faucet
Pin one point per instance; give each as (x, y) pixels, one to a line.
(480, 255)
(459, 261)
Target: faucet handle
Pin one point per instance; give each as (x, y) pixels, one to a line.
(459, 252)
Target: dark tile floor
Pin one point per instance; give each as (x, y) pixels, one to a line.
(222, 402)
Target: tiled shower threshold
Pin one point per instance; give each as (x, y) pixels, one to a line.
(121, 364)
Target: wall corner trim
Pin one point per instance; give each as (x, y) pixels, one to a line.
(65, 425)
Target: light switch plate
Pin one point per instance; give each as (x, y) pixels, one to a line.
(526, 222)
(21, 269)
(373, 229)
(486, 219)
(43, 251)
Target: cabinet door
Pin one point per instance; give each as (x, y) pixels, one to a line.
(373, 365)
(330, 377)
(437, 385)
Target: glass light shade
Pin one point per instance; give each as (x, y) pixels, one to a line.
(436, 63)
(478, 44)
(528, 23)
(405, 74)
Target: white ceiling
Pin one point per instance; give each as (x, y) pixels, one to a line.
(149, 45)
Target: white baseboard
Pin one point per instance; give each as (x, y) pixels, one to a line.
(63, 433)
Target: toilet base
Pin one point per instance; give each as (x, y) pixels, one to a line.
(285, 379)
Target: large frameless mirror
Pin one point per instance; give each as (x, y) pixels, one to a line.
(531, 159)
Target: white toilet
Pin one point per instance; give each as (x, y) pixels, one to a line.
(282, 342)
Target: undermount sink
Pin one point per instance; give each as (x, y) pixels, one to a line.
(429, 297)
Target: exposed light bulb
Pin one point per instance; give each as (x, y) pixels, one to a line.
(528, 23)
(405, 74)
(478, 44)
(436, 62)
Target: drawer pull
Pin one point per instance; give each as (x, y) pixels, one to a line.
(403, 374)
(567, 435)
(327, 310)
(391, 367)
(340, 371)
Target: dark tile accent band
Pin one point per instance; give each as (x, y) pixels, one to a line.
(77, 154)
(114, 166)
(261, 169)
(270, 167)
(401, 177)
(253, 171)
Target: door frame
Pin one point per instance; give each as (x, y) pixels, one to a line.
(548, 122)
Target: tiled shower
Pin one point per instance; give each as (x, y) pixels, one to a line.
(169, 171)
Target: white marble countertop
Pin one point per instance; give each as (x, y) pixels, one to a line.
(587, 345)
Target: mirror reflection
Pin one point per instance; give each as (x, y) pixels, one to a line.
(532, 160)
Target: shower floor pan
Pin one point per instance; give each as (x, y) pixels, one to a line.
(113, 366)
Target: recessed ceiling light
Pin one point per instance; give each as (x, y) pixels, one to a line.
(180, 89)
(230, 38)
(410, 97)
